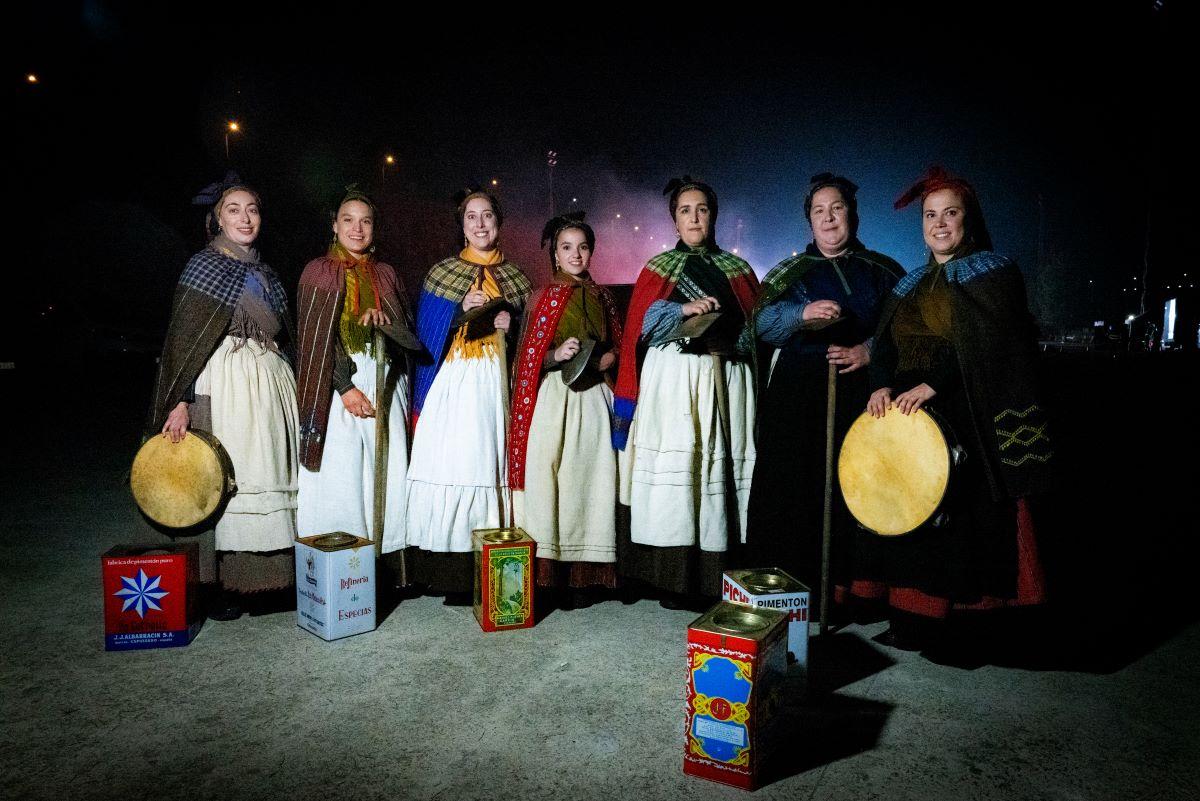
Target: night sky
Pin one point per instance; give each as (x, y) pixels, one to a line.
(1070, 129)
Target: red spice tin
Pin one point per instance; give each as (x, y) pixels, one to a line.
(737, 658)
(150, 596)
(503, 578)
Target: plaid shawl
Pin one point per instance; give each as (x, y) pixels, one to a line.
(995, 340)
(441, 301)
(319, 307)
(656, 282)
(207, 292)
(547, 307)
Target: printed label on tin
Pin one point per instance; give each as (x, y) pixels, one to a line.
(507, 570)
(720, 693)
(705, 728)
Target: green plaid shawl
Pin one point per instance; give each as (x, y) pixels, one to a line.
(670, 263)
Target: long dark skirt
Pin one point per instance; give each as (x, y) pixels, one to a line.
(787, 498)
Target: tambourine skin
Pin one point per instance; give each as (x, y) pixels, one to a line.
(181, 484)
(895, 470)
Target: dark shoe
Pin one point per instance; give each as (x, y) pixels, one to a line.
(912, 632)
(224, 605)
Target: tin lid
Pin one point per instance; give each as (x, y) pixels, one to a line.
(501, 536)
(335, 541)
(766, 580)
(751, 623)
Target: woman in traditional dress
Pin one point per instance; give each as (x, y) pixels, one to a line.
(956, 335)
(688, 452)
(343, 297)
(222, 371)
(456, 475)
(561, 464)
(835, 279)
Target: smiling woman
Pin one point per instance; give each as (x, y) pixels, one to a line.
(222, 371)
(956, 336)
(344, 296)
(561, 463)
(456, 476)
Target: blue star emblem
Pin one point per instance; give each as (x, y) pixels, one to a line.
(141, 593)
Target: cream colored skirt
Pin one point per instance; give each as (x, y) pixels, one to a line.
(456, 474)
(570, 496)
(673, 469)
(253, 397)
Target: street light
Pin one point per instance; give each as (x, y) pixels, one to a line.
(31, 78)
(230, 127)
(388, 161)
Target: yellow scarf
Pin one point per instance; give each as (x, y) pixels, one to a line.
(485, 347)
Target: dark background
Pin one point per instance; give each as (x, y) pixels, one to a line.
(1068, 121)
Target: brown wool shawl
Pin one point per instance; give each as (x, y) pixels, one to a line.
(319, 309)
(205, 298)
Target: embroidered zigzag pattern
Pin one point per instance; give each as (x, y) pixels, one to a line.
(1023, 435)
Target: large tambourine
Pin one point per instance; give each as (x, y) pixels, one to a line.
(181, 484)
(895, 471)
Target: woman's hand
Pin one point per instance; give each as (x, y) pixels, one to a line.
(566, 350)
(357, 404)
(606, 362)
(880, 402)
(177, 423)
(374, 317)
(853, 357)
(476, 297)
(909, 402)
(503, 321)
(821, 310)
(702, 306)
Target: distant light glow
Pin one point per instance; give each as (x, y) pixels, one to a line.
(495, 182)
(31, 78)
(390, 159)
(234, 127)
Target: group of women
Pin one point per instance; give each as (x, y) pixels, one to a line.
(658, 448)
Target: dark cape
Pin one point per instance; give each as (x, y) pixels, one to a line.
(964, 328)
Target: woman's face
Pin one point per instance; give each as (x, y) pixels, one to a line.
(572, 252)
(480, 226)
(355, 227)
(943, 219)
(238, 217)
(830, 221)
(692, 217)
